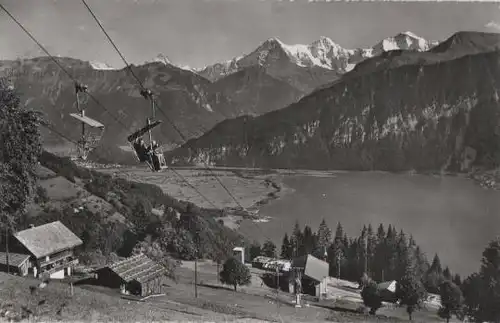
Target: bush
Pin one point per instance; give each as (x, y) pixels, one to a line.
(371, 296)
(235, 273)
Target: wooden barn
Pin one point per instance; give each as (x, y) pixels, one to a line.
(313, 274)
(137, 275)
(18, 263)
(46, 250)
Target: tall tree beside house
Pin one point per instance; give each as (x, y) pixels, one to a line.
(286, 248)
(434, 276)
(296, 239)
(457, 280)
(490, 275)
(447, 274)
(372, 246)
(392, 253)
(235, 273)
(379, 270)
(451, 300)
(410, 291)
(324, 235)
(309, 242)
(255, 250)
(269, 249)
(337, 252)
(20, 148)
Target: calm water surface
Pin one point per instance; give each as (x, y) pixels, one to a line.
(449, 215)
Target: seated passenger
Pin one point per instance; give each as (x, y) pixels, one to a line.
(140, 148)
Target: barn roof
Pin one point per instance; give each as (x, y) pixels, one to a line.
(47, 239)
(313, 267)
(138, 267)
(389, 285)
(15, 259)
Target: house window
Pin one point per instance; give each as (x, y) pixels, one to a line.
(47, 258)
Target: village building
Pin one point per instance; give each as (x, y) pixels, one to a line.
(239, 253)
(137, 275)
(43, 251)
(309, 274)
(387, 291)
(260, 261)
(18, 263)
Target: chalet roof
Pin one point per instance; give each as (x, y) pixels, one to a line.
(389, 285)
(313, 267)
(138, 267)
(15, 259)
(47, 239)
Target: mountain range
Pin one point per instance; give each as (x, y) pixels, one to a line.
(306, 67)
(401, 110)
(270, 78)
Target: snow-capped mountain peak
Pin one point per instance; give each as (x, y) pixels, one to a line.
(101, 66)
(323, 53)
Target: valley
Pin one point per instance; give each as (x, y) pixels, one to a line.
(364, 179)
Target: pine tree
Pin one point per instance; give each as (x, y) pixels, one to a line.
(381, 253)
(451, 300)
(421, 263)
(308, 244)
(490, 275)
(362, 252)
(447, 274)
(436, 265)
(392, 254)
(372, 246)
(324, 235)
(410, 292)
(286, 248)
(337, 251)
(457, 280)
(434, 276)
(255, 250)
(269, 249)
(296, 239)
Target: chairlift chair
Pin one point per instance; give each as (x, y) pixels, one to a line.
(152, 156)
(91, 137)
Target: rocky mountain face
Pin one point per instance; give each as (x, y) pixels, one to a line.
(404, 110)
(252, 91)
(306, 67)
(183, 96)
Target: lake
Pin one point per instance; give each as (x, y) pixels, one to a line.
(452, 216)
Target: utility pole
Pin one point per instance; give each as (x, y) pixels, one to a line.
(366, 255)
(7, 247)
(338, 265)
(196, 276)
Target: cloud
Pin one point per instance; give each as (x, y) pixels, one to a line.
(493, 25)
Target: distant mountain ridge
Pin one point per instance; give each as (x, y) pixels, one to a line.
(402, 110)
(325, 59)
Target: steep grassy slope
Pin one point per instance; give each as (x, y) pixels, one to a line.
(412, 116)
(111, 214)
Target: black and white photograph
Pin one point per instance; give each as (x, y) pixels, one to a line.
(249, 161)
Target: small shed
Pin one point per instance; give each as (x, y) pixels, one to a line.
(18, 263)
(137, 275)
(313, 273)
(387, 291)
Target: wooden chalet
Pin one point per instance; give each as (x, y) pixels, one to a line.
(137, 275)
(313, 274)
(43, 251)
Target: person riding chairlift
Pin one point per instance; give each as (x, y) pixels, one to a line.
(141, 149)
(157, 157)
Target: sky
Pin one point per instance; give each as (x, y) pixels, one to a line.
(197, 33)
